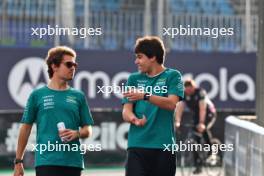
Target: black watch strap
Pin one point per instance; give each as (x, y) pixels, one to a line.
(147, 96)
(16, 161)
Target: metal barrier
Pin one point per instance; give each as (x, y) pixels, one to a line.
(247, 158)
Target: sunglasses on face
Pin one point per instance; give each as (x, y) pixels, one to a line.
(70, 64)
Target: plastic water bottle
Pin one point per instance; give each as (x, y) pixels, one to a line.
(61, 126)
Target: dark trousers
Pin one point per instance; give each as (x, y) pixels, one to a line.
(58, 171)
(150, 162)
(197, 155)
(206, 137)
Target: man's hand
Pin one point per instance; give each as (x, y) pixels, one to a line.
(69, 134)
(134, 95)
(130, 117)
(201, 127)
(139, 122)
(177, 125)
(19, 169)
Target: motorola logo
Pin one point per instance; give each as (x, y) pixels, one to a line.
(25, 76)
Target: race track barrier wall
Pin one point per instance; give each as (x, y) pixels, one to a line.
(247, 158)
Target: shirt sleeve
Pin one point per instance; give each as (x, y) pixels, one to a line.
(175, 85)
(29, 115)
(85, 113)
(129, 83)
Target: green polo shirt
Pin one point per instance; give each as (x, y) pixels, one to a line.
(159, 129)
(46, 107)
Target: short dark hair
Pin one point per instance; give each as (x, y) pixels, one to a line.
(189, 83)
(55, 56)
(151, 46)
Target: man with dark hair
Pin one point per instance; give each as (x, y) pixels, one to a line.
(204, 114)
(55, 56)
(149, 110)
(54, 106)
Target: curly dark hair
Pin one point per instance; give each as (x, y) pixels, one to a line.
(151, 46)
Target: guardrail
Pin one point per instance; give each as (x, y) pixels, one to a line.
(247, 158)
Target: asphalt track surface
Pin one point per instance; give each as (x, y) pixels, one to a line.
(92, 172)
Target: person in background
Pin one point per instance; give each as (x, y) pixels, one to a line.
(204, 114)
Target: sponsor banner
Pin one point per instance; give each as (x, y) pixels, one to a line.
(229, 78)
(109, 135)
(106, 146)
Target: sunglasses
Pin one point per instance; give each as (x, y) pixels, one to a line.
(70, 64)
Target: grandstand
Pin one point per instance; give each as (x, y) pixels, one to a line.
(123, 21)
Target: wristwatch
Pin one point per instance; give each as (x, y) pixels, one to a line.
(16, 161)
(146, 96)
(78, 134)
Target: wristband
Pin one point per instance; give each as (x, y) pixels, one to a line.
(17, 161)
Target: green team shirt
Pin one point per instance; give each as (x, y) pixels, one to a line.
(159, 129)
(47, 107)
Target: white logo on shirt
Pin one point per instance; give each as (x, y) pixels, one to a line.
(71, 99)
(48, 102)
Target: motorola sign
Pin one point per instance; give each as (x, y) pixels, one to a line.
(229, 86)
(93, 89)
(223, 86)
(25, 76)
